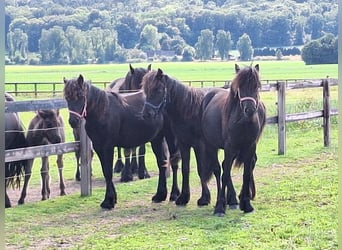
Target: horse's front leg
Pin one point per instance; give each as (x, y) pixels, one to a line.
(60, 166)
(160, 152)
(246, 193)
(28, 171)
(44, 172)
(184, 197)
(105, 154)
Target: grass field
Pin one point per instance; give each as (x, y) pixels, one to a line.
(296, 201)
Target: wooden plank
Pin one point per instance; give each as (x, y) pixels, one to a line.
(40, 151)
(326, 113)
(281, 119)
(85, 153)
(303, 116)
(33, 105)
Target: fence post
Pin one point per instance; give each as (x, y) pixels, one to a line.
(85, 152)
(326, 112)
(281, 118)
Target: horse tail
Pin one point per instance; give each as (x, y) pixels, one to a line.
(16, 169)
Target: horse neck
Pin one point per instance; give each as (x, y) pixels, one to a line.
(96, 100)
(185, 100)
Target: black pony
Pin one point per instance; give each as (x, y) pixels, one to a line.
(46, 127)
(14, 138)
(134, 163)
(113, 120)
(182, 105)
(233, 120)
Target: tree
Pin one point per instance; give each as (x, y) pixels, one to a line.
(188, 54)
(244, 45)
(321, 51)
(223, 43)
(53, 46)
(17, 45)
(205, 45)
(149, 38)
(314, 25)
(77, 45)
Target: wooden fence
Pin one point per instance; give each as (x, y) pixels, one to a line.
(84, 144)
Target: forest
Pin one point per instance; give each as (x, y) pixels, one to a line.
(83, 31)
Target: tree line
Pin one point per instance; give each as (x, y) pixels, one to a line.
(72, 31)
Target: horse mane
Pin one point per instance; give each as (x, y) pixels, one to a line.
(186, 99)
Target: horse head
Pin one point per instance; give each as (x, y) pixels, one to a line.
(50, 125)
(134, 77)
(154, 86)
(75, 93)
(245, 88)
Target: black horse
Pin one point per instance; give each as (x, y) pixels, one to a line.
(134, 163)
(14, 138)
(182, 105)
(46, 127)
(113, 120)
(233, 120)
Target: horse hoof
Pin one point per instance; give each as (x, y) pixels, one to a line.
(202, 202)
(182, 200)
(126, 179)
(219, 214)
(158, 198)
(233, 206)
(62, 193)
(107, 206)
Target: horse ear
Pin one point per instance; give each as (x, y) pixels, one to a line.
(237, 68)
(57, 112)
(131, 68)
(257, 67)
(149, 67)
(80, 80)
(64, 80)
(159, 73)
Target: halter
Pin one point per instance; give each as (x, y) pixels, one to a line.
(84, 110)
(247, 98)
(158, 107)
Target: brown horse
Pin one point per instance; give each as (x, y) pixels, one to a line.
(233, 120)
(46, 127)
(181, 104)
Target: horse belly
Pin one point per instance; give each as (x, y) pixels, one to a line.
(212, 127)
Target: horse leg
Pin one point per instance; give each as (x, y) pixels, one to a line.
(245, 195)
(126, 172)
(60, 166)
(44, 172)
(105, 154)
(119, 164)
(204, 200)
(134, 162)
(184, 197)
(142, 170)
(28, 171)
(7, 200)
(159, 150)
(78, 173)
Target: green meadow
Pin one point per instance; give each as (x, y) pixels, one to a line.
(295, 206)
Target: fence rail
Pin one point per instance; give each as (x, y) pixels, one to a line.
(84, 144)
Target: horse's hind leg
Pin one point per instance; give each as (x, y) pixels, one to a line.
(119, 164)
(60, 166)
(78, 173)
(134, 162)
(142, 170)
(28, 171)
(126, 172)
(44, 172)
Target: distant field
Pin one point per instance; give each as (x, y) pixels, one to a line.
(269, 70)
